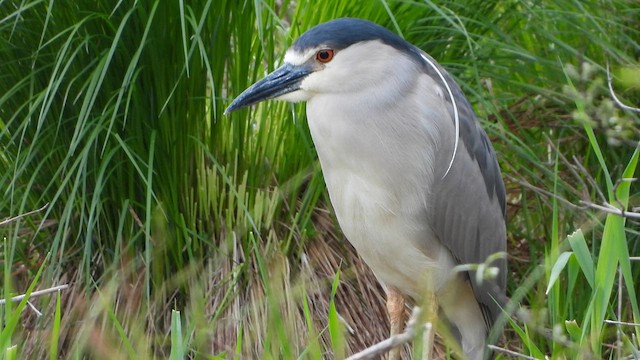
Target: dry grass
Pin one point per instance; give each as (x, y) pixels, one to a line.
(248, 306)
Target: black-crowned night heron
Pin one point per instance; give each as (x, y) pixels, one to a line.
(412, 176)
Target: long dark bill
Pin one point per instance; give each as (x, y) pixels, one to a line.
(283, 80)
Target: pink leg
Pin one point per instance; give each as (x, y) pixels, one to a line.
(395, 308)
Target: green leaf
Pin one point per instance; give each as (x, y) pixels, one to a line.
(336, 328)
(55, 330)
(313, 350)
(625, 263)
(582, 255)
(573, 330)
(11, 353)
(559, 265)
(177, 345)
(613, 252)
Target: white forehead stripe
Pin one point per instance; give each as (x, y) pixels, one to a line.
(294, 57)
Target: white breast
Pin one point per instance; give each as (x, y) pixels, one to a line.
(382, 202)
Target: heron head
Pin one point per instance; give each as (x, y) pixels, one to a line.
(338, 57)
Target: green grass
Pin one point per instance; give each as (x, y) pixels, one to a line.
(187, 233)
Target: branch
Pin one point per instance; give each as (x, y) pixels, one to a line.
(6, 221)
(545, 192)
(613, 93)
(510, 352)
(35, 293)
(34, 309)
(621, 323)
(608, 208)
(375, 351)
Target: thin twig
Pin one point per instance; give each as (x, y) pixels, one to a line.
(11, 219)
(36, 293)
(34, 309)
(375, 351)
(545, 192)
(510, 352)
(621, 323)
(608, 208)
(617, 185)
(590, 179)
(613, 93)
(576, 175)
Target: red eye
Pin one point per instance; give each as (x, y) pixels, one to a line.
(324, 56)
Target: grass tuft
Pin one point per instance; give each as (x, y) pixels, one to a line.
(184, 233)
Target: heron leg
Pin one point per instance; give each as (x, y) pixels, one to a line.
(395, 308)
(431, 318)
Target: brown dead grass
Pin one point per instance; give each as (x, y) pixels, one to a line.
(222, 307)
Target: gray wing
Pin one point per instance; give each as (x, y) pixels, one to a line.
(469, 221)
(468, 204)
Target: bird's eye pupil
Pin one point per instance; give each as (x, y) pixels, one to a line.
(324, 55)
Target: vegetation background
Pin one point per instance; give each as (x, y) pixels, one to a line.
(183, 233)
